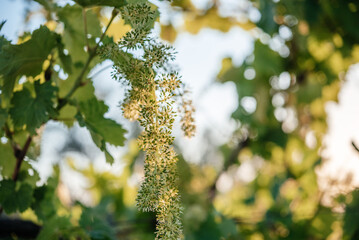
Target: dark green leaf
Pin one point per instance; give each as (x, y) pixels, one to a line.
(26, 58)
(7, 193)
(54, 228)
(24, 197)
(12, 199)
(95, 223)
(33, 111)
(45, 201)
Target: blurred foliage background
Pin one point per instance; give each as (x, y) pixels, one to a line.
(267, 186)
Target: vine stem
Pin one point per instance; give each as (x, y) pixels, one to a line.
(19, 152)
(20, 158)
(20, 155)
(85, 28)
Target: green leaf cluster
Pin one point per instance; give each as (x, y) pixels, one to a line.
(14, 197)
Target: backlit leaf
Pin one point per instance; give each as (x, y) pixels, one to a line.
(91, 115)
(26, 58)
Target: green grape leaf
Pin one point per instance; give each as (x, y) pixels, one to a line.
(45, 201)
(7, 193)
(54, 228)
(33, 111)
(12, 199)
(91, 115)
(24, 197)
(94, 221)
(26, 58)
(109, 3)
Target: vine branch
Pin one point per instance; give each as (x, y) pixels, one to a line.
(20, 158)
(18, 153)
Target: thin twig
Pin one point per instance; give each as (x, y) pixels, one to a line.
(355, 146)
(85, 29)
